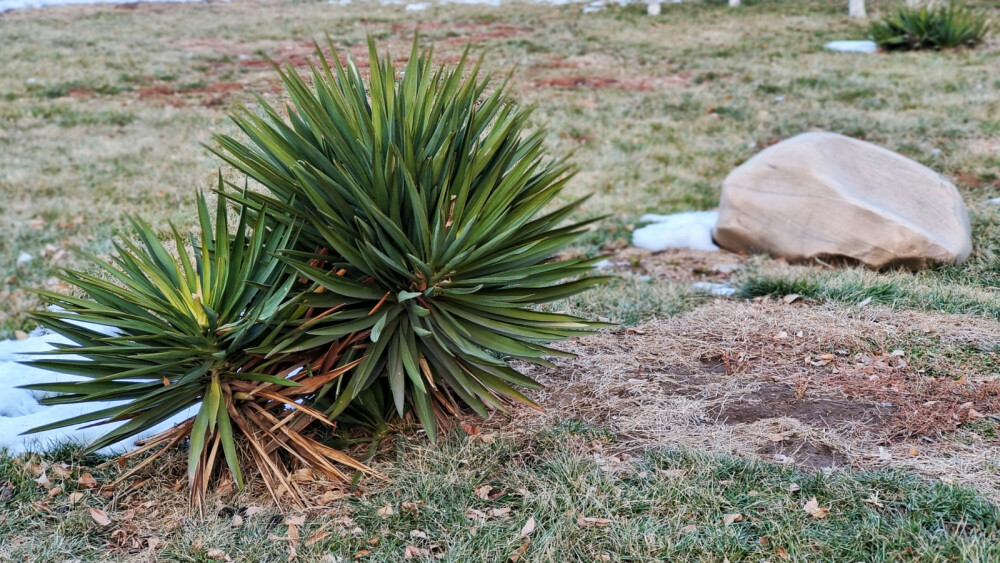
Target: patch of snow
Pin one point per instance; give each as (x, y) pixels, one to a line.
(24, 258)
(20, 410)
(716, 289)
(692, 229)
(419, 7)
(852, 46)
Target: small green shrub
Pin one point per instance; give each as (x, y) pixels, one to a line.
(937, 27)
(428, 230)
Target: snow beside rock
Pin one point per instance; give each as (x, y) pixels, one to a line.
(852, 46)
(20, 410)
(692, 230)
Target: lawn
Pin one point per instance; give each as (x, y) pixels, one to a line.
(875, 393)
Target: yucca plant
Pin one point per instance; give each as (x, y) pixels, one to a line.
(428, 230)
(930, 27)
(180, 328)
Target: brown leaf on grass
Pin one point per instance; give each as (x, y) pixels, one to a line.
(237, 521)
(414, 552)
(791, 298)
(592, 521)
(730, 518)
(217, 555)
(293, 533)
(61, 471)
(815, 510)
(87, 481)
(794, 488)
(386, 511)
(317, 537)
(100, 517)
(362, 553)
(474, 514)
(411, 508)
(499, 512)
(690, 528)
(253, 511)
(55, 491)
(516, 556)
(297, 520)
(469, 429)
(529, 527)
(483, 491)
(43, 481)
(7, 491)
(781, 552)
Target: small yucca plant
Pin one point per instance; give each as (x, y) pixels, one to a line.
(181, 325)
(930, 27)
(426, 230)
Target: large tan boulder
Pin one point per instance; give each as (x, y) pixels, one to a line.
(823, 195)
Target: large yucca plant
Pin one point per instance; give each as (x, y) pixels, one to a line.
(427, 230)
(181, 326)
(930, 27)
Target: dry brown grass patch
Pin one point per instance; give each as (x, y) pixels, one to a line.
(817, 386)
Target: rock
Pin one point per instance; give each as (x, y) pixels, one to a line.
(823, 195)
(852, 46)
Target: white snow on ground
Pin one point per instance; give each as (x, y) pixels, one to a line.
(852, 46)
(716, 289)
(692, 229)
(20, 410)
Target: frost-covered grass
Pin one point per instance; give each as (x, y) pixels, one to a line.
(471, 501)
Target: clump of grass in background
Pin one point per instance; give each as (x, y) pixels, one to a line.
(930, 27)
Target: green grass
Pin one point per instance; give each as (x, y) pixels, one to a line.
(659, 506)
(97, 129)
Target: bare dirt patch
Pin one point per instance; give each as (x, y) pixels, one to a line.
(816, 386)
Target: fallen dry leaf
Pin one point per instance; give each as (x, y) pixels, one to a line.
(483, 492)
(87, 481)
(689, 529)
(516, 556)
(317, 537)
(61, 471)
(218, 555)
(237, 521)
(43, 481)
(412, 508)
(469, 429)
(413, 552)
(730, 518)
(815, 510)
(781, 552)
(499, 512)
(592, 521)
(529, 527)
(100, 517)
(386, 511)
